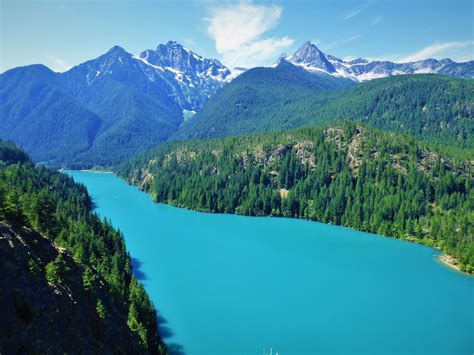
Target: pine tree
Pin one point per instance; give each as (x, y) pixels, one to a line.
(88, 279)
(101, 312)
(56, 269)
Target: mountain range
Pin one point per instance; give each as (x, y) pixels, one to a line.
(309, 57)
(104, 111)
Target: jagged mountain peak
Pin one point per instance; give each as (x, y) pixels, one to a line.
(281, 58)
(115, 55)
(172, 54)
(173, 43)
(175, 55)
(116, 61)
(309, 44)
(175, 46)
(116, 50)
(307, 48)
(310, 57)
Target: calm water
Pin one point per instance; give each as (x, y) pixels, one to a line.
(228, 284)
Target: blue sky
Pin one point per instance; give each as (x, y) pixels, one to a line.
(64, 33)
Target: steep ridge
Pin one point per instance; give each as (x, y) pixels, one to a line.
(66, 282)
(42, 317)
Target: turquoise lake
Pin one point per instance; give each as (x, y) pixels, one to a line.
(226, 284)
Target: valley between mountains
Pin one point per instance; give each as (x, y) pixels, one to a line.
(380, 147)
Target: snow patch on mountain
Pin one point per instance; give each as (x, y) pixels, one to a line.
(309, 57)
(171, 69)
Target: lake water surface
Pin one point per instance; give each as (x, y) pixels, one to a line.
(226, 284)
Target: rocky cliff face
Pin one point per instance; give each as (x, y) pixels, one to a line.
(40, 317)
(170, 72)
(309, 56)
(192, 79)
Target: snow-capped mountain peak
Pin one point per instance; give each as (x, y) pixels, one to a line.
(171, 69)
(175, 56)
(282, 57)
(192, 77)
(313, 59)
(310, 57)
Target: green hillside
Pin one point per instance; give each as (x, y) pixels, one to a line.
(434, 108)
(345, 174)
(62, 120)
(40, 116)
(262, 99)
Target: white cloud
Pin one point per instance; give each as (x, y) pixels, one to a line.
(455, 50)
(57, 64)
(237, 30)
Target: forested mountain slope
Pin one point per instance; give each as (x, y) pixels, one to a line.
(39, 115)
(262, 99)
(345, 174)
(66, 283)
(104, 111)
(62, 119)
(430, 107)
